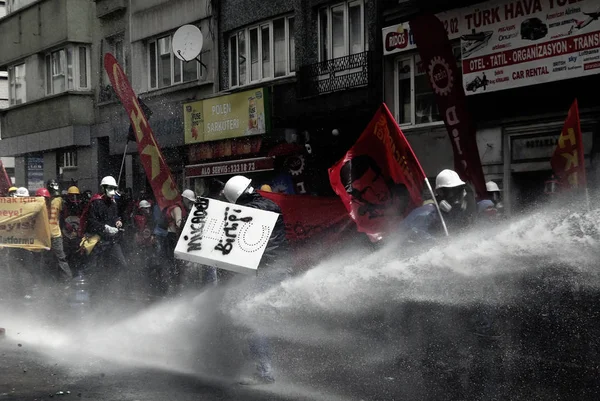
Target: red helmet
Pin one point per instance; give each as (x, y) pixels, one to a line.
(43, 192)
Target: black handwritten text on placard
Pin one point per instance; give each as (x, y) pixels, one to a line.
(197, 226)
(230, 229)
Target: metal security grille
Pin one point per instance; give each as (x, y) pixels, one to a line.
(335, 75)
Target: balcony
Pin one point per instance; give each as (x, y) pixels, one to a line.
(42, 25)
(335, 75)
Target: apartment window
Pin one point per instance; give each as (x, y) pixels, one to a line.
(415, 100)
(67, 69)
(166, 69)
(16, 78)
(113, 45)
(68, 159)
(341, 30)
(262, 52)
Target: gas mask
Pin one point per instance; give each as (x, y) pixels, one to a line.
(453, 199)
(110, 192)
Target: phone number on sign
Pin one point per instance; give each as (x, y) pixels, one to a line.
(229, 169)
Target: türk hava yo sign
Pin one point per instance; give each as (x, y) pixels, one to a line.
(225, 235)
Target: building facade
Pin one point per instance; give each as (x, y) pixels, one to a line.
(311, 67)
(522, 67)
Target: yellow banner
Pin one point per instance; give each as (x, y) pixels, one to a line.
(230, 116)
(24, 223)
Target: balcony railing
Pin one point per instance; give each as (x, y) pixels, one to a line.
(334, 75)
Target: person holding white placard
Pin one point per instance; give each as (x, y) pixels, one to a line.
(271, 271)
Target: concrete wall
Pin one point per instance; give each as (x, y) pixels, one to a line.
(53, 112)
(42, 26)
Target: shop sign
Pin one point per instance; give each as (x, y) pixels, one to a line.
(230, 167)
(223, 117)
(398, 38)
(509, 44)
(225, 148)
(35, 173)
(527, 42)
(530, 148)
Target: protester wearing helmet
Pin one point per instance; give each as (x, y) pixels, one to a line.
(272, 268)
(64, 271)
(12, 192)
(22, 192)
(495, 195)
(103, 220)
(456, 200)
(175, 216)
(70, 222)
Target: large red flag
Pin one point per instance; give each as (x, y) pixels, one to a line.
(379, 180)
(439, 62)
(308, 216)
(158, 172)
(568, 158)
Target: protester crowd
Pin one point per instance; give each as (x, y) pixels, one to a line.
(107, 234)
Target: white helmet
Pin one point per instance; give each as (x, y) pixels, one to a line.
(22, 192)
(189, 195)
(448, 179)
(144, 204)
(109, 181)
(236, 186)
(491, 186)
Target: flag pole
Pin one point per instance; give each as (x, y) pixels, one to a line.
(436, 206)
(123, 162)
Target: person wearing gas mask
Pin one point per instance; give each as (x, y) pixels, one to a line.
(456, 200)
(55, 205)
(103, 220)
(495, 195)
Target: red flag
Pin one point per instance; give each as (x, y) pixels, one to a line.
(308, 216)
(379, 180)
(568, 158)
(439, 62)
(158, 172)
(5, 181)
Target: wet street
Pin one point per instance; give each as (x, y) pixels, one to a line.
(27, 374)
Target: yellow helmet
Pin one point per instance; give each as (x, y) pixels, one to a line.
(266, 188)
(73, 190)
(12, 189)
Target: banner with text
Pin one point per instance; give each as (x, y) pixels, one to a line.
(440, 64)
(521, 43)
(24, 223)
(514, 43)
(224, 235)
(230, 116)
(158, 172)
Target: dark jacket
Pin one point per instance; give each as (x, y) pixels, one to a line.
(277, 246)
(102, 211)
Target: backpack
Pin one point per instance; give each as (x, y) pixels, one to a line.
(165, 216)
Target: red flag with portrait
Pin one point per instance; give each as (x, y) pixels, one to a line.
(568, 159)
(379, 180)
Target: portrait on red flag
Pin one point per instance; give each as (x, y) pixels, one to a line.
(372, 194)
(379, 179)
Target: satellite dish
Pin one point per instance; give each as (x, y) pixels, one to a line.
(187, 42)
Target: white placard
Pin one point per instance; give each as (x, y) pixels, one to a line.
(224, 235)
